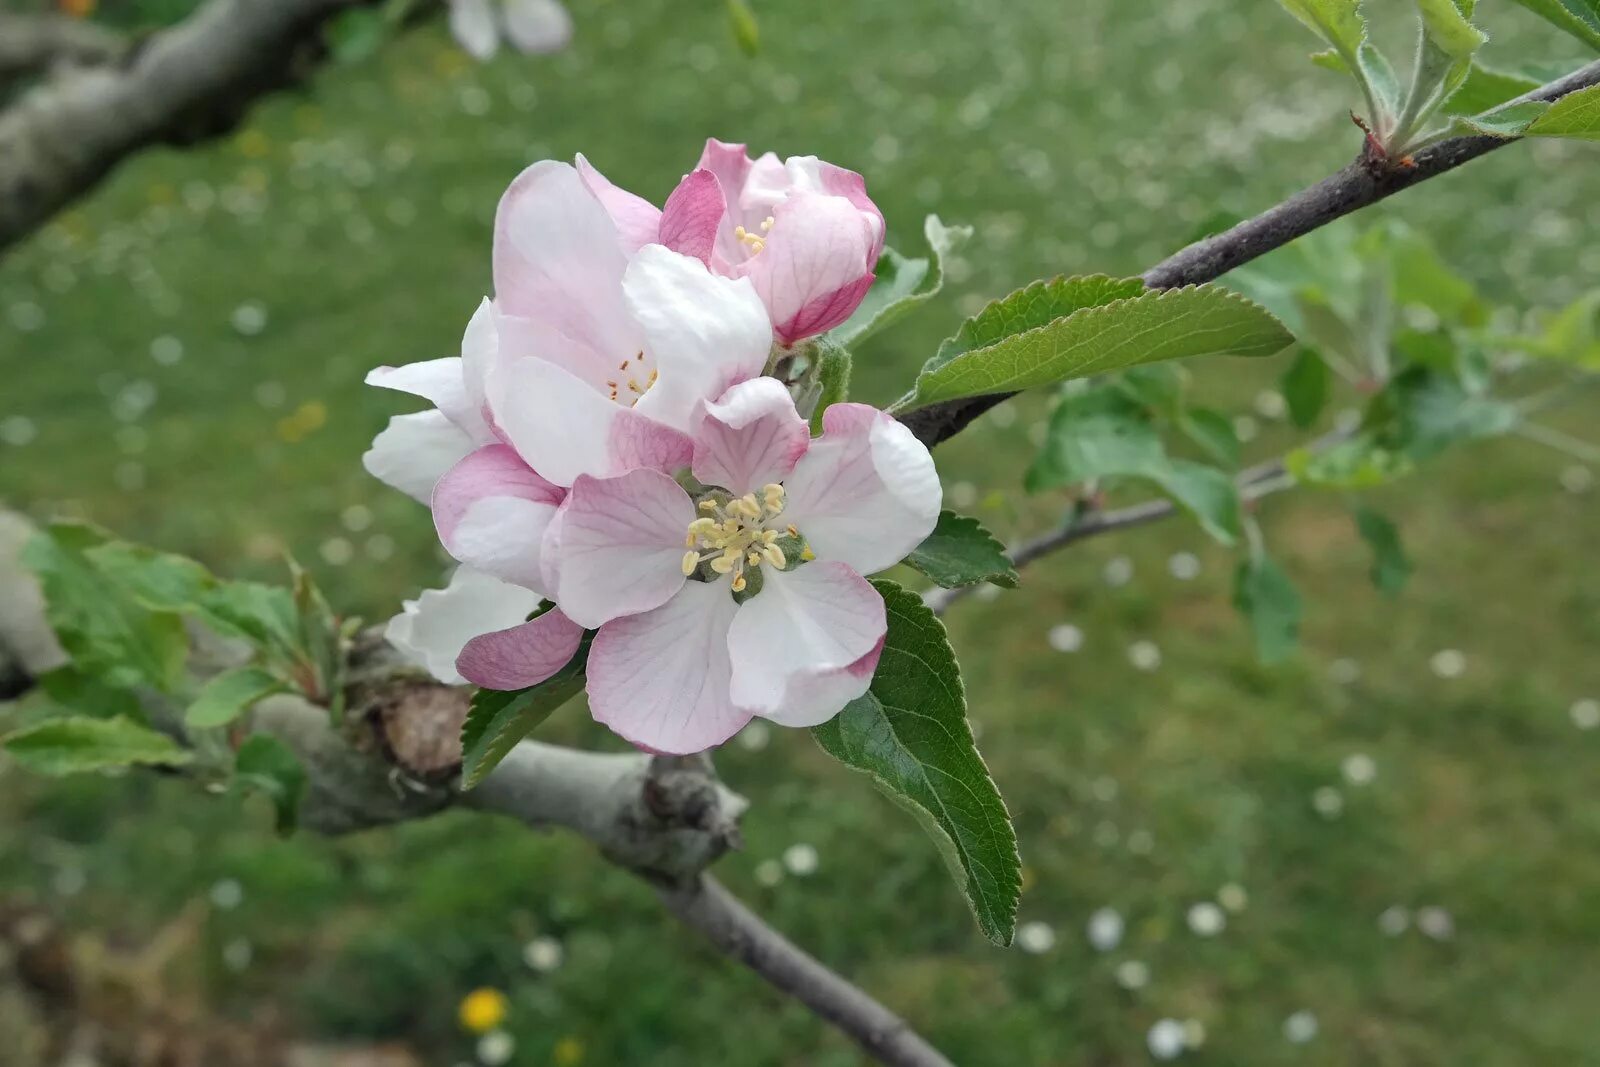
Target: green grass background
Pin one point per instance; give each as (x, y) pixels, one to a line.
(1083, 137)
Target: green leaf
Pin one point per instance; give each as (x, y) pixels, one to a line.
(1267, 599)
(1360, 463)
(902, 284)
(356, 34)
(109, 633)
(833, 375)
(1575, 115)
(910, 733)
(742, 24)
(264, 615)
(320, 637)
(1338, 22)
(77, 693)
(266, 764)
(160, 580)
(498, 720)
(1513, 120)
(76, 744)
(1448, 25)
(1390, 567)
(1423, 411)
(961, 552)
(227, 696)
(1031, 307)
(1213, 432)
(1581, 18)
(1486, 89)
(1305, 387)
(1101, 434)
(1154, 326)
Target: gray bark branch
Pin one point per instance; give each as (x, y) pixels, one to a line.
(1359, 185)
(30, 44)
(189, 82)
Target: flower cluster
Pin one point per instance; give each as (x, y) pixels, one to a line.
(607, 442)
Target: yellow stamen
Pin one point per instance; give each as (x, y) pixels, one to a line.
(691, 560)
(774, 555)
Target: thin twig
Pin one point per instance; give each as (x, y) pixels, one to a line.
(1254, 483)
(742, 935)
(1361, 184)
(1564, 443)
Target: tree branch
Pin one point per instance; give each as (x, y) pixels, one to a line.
(30, 44)
(189, 82)
(1361, 184)
(741, 935)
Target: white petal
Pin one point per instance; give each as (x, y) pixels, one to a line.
(538, 26)
(807, 644)
(441, 381)
(616, 546)
(558, 259)
(472, 25)
(491, 512)
(432, 629)
(638, 221)
(480, 353)
(866, 492)
(661, 679)
(751, 437)
(565, 429)
(415, 451)
(704, 332)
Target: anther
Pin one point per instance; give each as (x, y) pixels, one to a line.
(691, 560)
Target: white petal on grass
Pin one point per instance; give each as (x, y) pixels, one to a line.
(1184, 566)
(800, 859)
(1194, 1034)
(1165, 1039)
(1118, 571)
(755, 737)
(1144, 655)
(1448, 663)
(769, 873)
(249, 319)
(1328, 802)
(1036, 938)
(496, 1048)
(1344, 672)
(1394, 920)
(1065, 637)
(1141, 842)
(1585, 714)
(18, 430)
(1105, 929)
(1576, 478)
(1300, 1028)
(166, 350)
(543, 954)
(227, 894)
(1206, 919)
(1359, 768)
(1133, 974)
(1436, 922)
(1245, 428)
(1270, 405)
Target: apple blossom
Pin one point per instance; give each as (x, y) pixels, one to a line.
(532, 26)
(591, 357)
(802, 230)
(743, 599)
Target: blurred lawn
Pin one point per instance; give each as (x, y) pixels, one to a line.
(181, 361)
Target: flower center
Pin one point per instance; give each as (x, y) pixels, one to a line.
(634, 378)
(756, 241)
(733, 535)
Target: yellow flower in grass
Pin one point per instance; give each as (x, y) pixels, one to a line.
(482, 1010)
(568, 1052)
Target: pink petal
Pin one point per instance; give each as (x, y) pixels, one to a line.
(749, 438)
(807, 644)
(559, 259)
(491, 512)
(637, 220)
(693, 215)
(616, 546)
(837, 181)
(524, 655)
(816, 257)
(825, 312)
(661, 679)
(866, 492)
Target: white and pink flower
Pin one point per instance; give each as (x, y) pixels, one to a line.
(532, 26)
(743, 600)
(608, 369)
